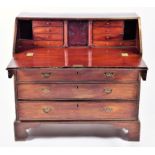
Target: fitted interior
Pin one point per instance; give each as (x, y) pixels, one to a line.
(78, 33)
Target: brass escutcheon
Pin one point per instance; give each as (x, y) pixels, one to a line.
(46, 75)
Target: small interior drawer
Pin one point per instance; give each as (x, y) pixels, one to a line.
(109, 30)
(114, 43)
(109, 23)
(49, 29)
(38, 23)
(42, 36)
(102, 37)
(54, 43)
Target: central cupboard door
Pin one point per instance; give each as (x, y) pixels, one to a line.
(78, 33)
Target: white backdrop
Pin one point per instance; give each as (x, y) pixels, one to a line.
(10, 10)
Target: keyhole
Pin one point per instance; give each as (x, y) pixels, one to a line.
(77, 73)
(77, 87)
(77, 105)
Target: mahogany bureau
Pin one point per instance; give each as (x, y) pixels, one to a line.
(77, 75)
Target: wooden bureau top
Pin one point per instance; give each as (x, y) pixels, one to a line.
(78, 15)
(78, 57)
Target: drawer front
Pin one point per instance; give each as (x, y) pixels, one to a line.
(37, 23)
(77, 110)
(77, 91)
(114, 43)
(40, 36)
(105, 30)
(58, 30)
(101, 37)
(108, 23)
(48, 43)
(106, 75)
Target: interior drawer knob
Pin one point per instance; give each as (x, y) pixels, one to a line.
(46, 109)
(108, 90)
(107, 37)
(46, 75)
(48, 23)
(109, 74)
(107, 23)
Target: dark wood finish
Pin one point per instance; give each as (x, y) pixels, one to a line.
(48, 37)
(128, 130)
(77, 110)
(109, 23)
(101, 36)
(55, 57)
(77, 75)
(54, 43)
(77, 91)
(90, 36)
(103, 33)
(78, 33)
(24, 45)
(38, 23)
(107, 30)
(50, 30)
(114, 43)
(65, 33)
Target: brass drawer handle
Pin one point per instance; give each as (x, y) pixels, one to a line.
(109, 74)
(46, 75)
(46, 109)
(107, 109)
(108, 90)
(45, 90)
